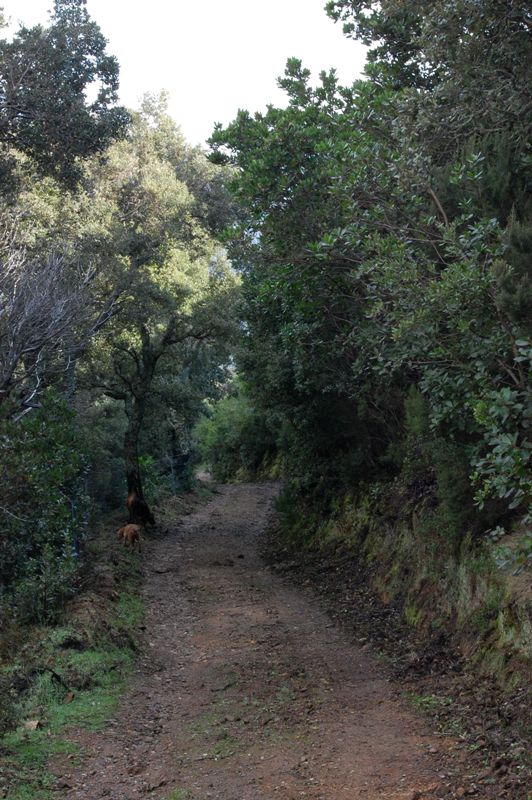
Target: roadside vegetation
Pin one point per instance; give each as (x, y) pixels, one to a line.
(117, 317)
(386, 358)
(53, 677)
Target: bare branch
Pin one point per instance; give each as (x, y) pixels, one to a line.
(47, 316)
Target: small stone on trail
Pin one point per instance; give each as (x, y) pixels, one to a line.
(32, 724)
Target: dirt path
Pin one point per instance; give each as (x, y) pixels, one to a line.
(244, 689)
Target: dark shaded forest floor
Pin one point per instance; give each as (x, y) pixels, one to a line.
(245, 689)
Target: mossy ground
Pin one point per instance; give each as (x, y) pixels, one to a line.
(443, 580)
(68, 675)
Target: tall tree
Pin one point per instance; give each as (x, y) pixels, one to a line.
(45, 73)
(179, 305)
(360, 202)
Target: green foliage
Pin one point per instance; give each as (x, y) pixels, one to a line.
(103, 426)
(164, 353)
(515, 559)
(300, 291)
(416, 414)
(96, 675)
(386, 252)
(462, 67)
(428, 702)
(506, 469)
(44, 73)
(116, 297)
(8, 710)
(67, 675)
(42, 507)
(234, 438)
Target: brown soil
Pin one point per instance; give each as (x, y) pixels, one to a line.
(245, 690)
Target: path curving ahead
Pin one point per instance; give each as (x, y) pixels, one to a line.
(245, 690)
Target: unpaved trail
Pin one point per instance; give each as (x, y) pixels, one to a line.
(244, 690)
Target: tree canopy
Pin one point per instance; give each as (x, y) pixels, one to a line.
(386, 248)
(47, 75)
(361, 257)
(117, 301)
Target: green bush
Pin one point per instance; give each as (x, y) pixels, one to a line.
(234, 439)
(43, 509)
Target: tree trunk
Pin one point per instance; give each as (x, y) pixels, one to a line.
(179, 461)
(139, 511)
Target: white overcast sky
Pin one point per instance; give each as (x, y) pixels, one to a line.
(212, 57)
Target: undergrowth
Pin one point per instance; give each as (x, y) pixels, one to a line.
(69, 675)
(72, 674)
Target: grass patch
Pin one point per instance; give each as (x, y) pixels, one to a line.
(225, 747)
(428, 703)
(209, 725)
(69, 676)
(285, 695)
(129, 610)
(204, 725)
(23, 769)
(438, 708)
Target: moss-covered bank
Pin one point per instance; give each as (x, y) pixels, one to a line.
(475, 591)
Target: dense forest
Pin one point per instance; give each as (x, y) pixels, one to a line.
(328, 307)
(385, 244)
(337, 294)
(385, 250)
(116, 316)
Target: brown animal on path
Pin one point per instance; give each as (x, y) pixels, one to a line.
(130, 534)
